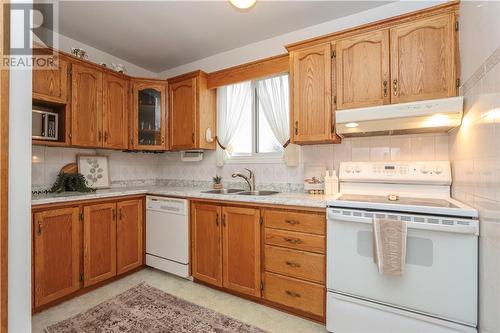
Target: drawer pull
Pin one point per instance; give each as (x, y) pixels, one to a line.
(293, 240)
(292, 264)
(292, 222)
(292, 293)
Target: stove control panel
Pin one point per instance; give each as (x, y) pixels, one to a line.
(428, 172)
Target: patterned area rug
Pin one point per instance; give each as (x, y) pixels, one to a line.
(147, 309)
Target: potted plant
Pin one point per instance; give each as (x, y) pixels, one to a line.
(217, 182)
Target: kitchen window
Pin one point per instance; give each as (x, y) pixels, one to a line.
(260, 119)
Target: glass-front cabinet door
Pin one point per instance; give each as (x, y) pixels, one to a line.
(149, 118)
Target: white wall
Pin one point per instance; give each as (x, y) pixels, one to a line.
(19, 264)
(475, 149)
(98, 56)
(275, 46)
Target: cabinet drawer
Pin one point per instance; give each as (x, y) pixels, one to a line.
(295, 240)
(305, 296)
(295, 221)
(298, 264)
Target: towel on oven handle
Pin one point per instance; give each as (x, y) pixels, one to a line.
(389, 245)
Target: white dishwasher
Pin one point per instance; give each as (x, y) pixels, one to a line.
(167, 235)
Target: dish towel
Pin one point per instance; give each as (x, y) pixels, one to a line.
(389, 245)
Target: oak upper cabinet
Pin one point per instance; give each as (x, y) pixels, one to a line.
(149, 115)
(206, 243)
(423, 59)
(99, 242)
(311, 91)
(51, 85)
(56, 254)
(129, 235)
(191, 112)
(86, 106)
(362, 70)
(115, 111)
(241, 244)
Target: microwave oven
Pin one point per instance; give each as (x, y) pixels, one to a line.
(45, 125)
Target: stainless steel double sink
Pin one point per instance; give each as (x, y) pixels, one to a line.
(240, 192)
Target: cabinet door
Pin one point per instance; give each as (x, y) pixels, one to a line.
(182, 108)
(129, 249)
(363, 70)
(149, 117)
(312, 90)
(423, 59)
(51, 85)
(115, 112)
(86, 106)
(206, 253)
(99, 243)
(241, 244)
(56, 254)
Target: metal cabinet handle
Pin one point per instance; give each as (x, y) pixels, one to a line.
(192, 138)
(385, 88)
(106, 136)
(39, 228)
(292, 293)
(217, 220)
(293, 240)
(395, 87)
(296, 127)
(162, 140)
(292, 264)
(292, 222)
(223, 220)
(100, 136)
(114, 214)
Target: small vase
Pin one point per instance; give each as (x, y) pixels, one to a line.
(218, 186)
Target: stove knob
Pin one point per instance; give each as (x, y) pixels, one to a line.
(438, 170)
(348, 169)
(357, 169)
(424, 170)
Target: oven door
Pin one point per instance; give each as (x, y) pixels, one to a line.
(440, 277)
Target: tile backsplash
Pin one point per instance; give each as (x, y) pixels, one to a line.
(475, 148)
(127, 168)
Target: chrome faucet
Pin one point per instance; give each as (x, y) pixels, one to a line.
(250, 179)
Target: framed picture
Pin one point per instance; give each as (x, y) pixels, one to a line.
(95, 169)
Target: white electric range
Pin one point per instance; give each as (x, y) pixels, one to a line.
(438, 290)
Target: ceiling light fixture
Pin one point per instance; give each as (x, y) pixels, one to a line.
(351, 125)
(243, 4)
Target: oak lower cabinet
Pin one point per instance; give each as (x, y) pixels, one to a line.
(294, 270)
(206, 243)
(99, 243)
(129, 235)
(56, 261)
(271, 255)
(241, 250)
(225, 244)
(80, 245)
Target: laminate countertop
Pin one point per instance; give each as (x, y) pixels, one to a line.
(286, 199)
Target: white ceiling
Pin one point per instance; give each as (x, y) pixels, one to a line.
(159, 35)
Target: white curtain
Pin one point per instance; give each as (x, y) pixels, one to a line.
(275, 103)
(231, 102)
